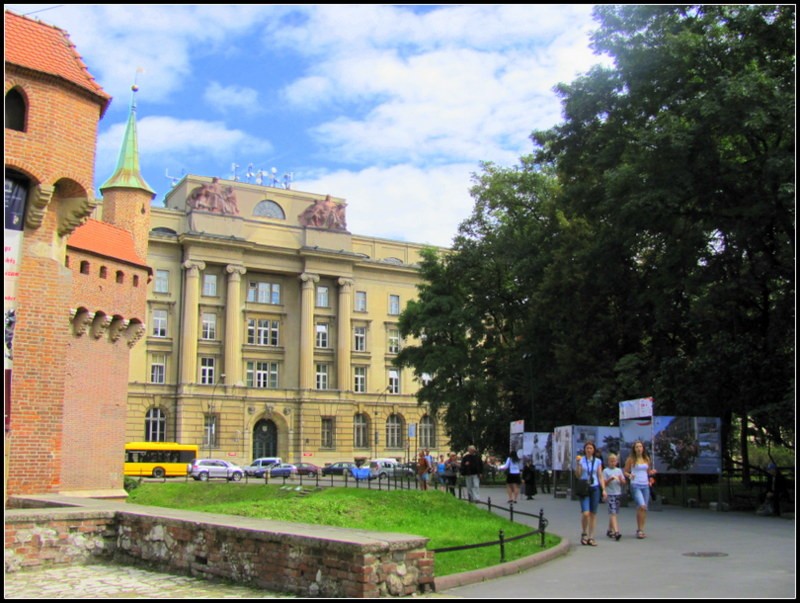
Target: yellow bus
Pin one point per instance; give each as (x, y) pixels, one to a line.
(158, 459)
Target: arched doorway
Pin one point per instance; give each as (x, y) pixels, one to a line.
(265, 439)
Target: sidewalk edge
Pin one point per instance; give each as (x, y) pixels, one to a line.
(443, 583)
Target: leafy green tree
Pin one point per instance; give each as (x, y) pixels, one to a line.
(683, 152)
(645, 248)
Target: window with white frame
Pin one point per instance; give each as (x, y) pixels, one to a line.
(394, 432)
(161, 282)
(210, 430)
(394, 381)
(155, 426)
(360, 301)
(322, 297)
(427, 432)
(328, 432)
(208, 367)
(360, 339)
(158, 368)
(360, 431)
(159, 323)
(210, 285)
(393, 338)
(263, 292)
(208, 326)
(262, 331)
(262, 375)
(322, 376)
(394, 305)
(360, 379)
(322, 340)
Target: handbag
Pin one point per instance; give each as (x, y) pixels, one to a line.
(582, 488)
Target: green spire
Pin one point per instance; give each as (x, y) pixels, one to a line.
(127, 174)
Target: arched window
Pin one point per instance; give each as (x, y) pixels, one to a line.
(85, 267)
(103, 272)
(155, 426)
(120, 277)
(16, 111)
(427, 432)
(361, 431)
(269, 209)
(394, 431)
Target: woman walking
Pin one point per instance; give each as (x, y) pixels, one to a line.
(638, 470)
(590, 469)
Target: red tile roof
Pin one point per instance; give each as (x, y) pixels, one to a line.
(106, 240)
(47, 49)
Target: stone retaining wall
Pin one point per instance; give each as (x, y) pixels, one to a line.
(305, 560)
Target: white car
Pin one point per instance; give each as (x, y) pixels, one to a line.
(205, 469)
(259, 466)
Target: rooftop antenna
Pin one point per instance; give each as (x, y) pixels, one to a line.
(249, 175)
(260, 177)
(287, 180)
(234, 176)
(274, 178)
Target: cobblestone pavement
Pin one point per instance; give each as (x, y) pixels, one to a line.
(105, 581)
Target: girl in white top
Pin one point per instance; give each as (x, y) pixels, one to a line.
(614, 480)
(513, 468)
(638, 470)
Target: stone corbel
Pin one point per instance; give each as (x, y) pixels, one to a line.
(100, 325)
(74, 212)
(81, 320)
(116, 328)
(134, 333)
(38, 201)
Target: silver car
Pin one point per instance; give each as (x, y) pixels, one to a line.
(205, 469)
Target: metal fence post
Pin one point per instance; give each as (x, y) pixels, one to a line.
(502, 547)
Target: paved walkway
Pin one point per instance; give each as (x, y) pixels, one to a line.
(688, 553)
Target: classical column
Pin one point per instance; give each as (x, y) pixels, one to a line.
(307, 330)
(344, 335)
(233, 324)
(191, 298)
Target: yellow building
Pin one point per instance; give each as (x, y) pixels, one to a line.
(271, 330)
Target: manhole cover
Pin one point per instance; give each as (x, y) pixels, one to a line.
(709, 554)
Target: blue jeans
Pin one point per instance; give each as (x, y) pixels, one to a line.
(641, 495)
(591, 502)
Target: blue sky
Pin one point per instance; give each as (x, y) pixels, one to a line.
(392, 107)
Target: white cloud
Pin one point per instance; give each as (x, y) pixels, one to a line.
(467, 83)
(167, 142)
(402, 202)
(164, 40)
(231, 98)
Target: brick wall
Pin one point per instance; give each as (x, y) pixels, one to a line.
(68, 391)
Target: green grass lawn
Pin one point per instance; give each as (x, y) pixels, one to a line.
(445, 520)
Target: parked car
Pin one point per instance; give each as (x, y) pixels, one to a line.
(339, 468)
(309, 469)
(283, 470)
(389, 468)
(205, 469)
(259, 466)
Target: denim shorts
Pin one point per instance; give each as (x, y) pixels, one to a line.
(591, 502)
(641, 495)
